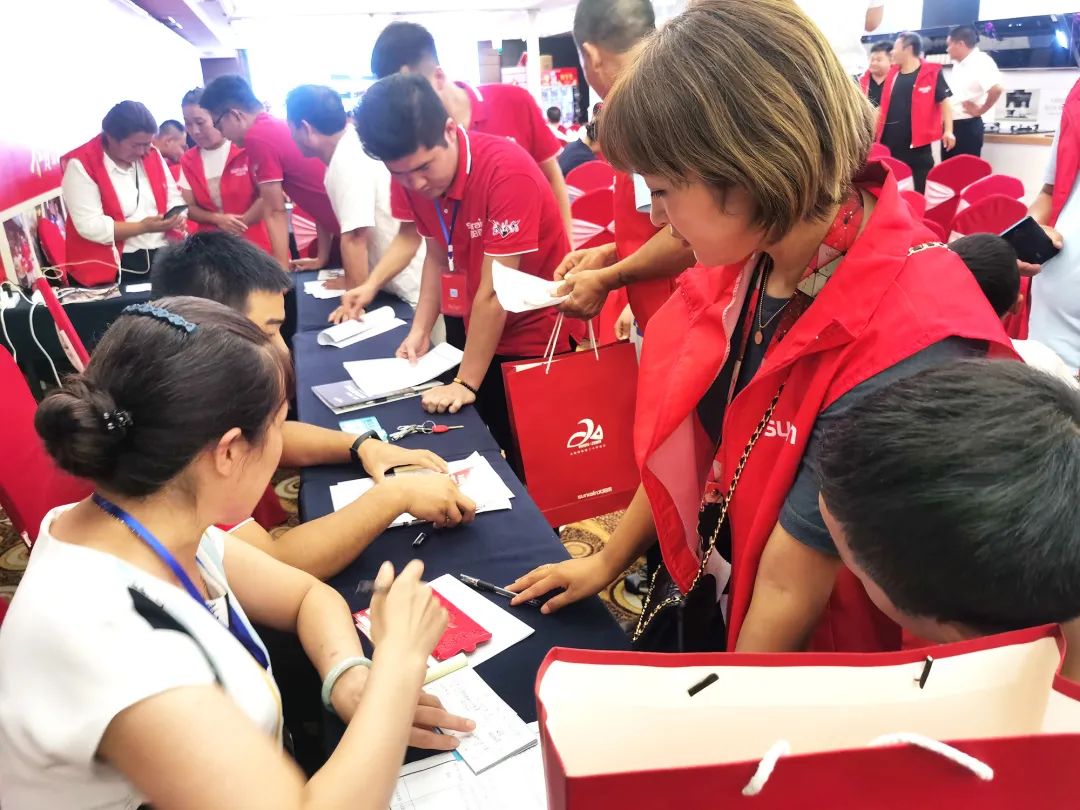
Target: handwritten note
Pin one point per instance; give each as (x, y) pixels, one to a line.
(500, 732)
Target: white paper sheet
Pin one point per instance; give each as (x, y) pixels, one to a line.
(316, 290)
(389, 374)
(474, 476)
(521, 292)
(506, 629)
(499, 733)
(445, 782)
(353, 331)
(138, 288)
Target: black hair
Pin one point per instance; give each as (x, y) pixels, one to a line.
(229, 92)
(956, 490)
(168, 124)
(402, 45)
(399, 115)
(318, 105)
(127, 118)
(616, 25)
(591, 131)
(554, 115)
(178, 392)
(966, 34)
(881, 47)
(192, 97)
(992, 261)
(912, 40)
(220, 266)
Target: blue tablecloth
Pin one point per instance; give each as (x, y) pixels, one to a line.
(312, 313)
(497, 547)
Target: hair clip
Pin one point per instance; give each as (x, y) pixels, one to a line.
(117, 421)
(161, 314)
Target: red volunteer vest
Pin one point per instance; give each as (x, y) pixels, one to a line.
(105, 259)
(864, 83)
(926, 123)
(880, 307)
(238, 191)
(1068, 153)
(632, 230)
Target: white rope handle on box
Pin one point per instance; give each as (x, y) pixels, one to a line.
(553, 342)
(782, 748)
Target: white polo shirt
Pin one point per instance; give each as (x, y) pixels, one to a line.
(970, 80)
(844, 23)
(89, 635)
(359, 192)
(83, 199)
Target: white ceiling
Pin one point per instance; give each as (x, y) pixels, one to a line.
(246, 9)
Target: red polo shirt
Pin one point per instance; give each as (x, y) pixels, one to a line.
(497, 109)
(507, 208)
(275, 158)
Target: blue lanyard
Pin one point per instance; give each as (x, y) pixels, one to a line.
(448, 233)
(236, 626)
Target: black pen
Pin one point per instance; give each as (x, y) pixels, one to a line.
(480, 585)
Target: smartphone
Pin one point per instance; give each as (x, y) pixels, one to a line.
(1030, 242)
(172, 212)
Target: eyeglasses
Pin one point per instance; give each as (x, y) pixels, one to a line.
(217, 121)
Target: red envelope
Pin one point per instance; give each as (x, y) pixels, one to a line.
(462, 634)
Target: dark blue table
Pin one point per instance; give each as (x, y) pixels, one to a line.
(312, 313)
(498, 546)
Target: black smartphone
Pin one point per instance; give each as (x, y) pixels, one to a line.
(176, 209)
(1030, 242)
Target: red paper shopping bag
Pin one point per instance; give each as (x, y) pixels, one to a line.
(985, 725)
(573, 422)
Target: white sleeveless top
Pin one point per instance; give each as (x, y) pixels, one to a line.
(87, 636)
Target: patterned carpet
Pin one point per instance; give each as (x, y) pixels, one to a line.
(581, 540)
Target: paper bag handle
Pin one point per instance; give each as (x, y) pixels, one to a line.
(782, 748)
(553, 342)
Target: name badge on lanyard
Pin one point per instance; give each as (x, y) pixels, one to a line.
(453, 300)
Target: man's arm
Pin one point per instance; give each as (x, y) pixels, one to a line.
(874, 17)
(418, 341)
(276, 216)
(948, 139)
(486, 322)
(793, 586)
(255, 213)
(992, 96)
(554, 175)
(354, 256)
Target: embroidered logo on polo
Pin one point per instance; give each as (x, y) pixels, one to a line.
(239, 171)
(504, 228)
(476, 229)
(590, 437)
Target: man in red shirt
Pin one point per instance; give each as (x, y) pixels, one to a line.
(277, 164)
(495, 109)
(644, 258)
(485, 199)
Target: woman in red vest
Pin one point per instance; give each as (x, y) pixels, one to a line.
(814, 288)
(117, 190)
(217, 183)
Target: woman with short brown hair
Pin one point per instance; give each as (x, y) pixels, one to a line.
(815, 286)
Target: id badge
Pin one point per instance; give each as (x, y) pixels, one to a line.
(453, 301)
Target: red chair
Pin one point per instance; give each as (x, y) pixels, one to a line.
(905, 180)
(878, 151)
(54, 246)
(994, 184)
(937, 228)
(30, 483)
(916, 202)
(992, 214)
(592, 176)
(945, 182)
(592, 216)
(69, 339)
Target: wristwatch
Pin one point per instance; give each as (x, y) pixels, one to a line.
(354, 451)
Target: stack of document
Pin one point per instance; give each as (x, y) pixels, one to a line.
(353, 331)
(316, 289)
(342, 397)
(474, 476)
(389, 374)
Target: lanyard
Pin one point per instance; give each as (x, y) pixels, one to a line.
(448, 233)
(236, 626)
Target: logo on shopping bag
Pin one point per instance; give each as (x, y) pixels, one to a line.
(590, 436)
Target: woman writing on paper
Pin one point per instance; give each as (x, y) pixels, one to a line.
(217, 183)
(814, 287)
(118, 190)
(130, 672)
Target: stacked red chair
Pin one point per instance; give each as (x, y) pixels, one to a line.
(901, 171)
(592, 176)
(946, 181)
(992, 214)
(987, 186)
(592, 216)
(878, 151)
(916, 202)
